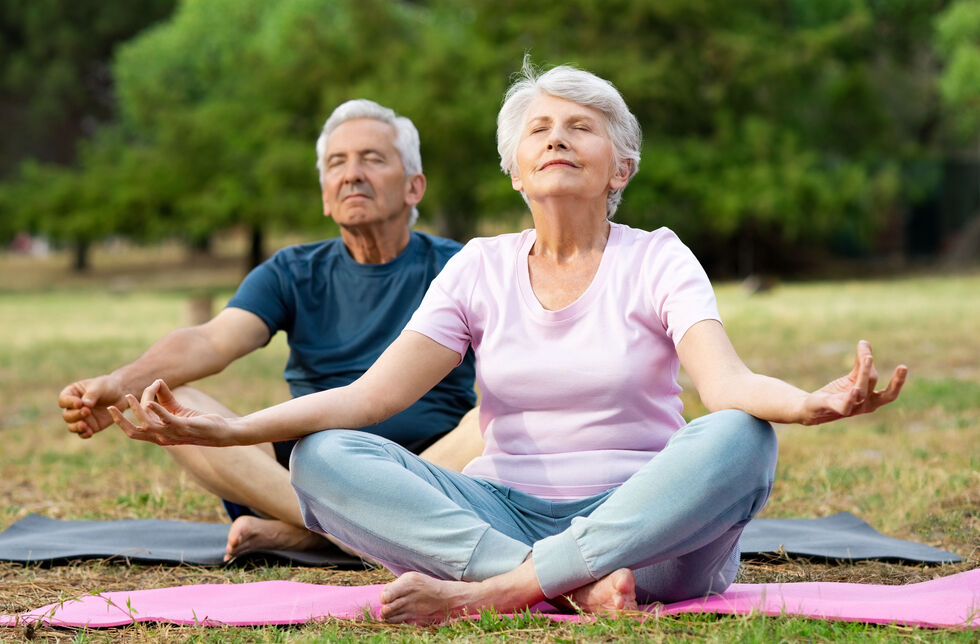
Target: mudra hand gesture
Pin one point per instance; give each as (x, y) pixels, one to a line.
(854, 393)
(162, 420)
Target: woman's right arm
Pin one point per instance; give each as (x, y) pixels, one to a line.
(408, 368)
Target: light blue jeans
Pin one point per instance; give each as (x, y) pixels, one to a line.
(676, 522)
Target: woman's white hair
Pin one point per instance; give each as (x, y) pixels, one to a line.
(406, 136)
(579, 87)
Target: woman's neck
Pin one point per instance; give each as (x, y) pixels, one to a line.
(568, 231)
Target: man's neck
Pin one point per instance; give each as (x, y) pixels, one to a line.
(375, 244)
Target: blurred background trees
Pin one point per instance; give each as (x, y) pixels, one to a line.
(776, 132)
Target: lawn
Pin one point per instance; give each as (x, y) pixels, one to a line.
(912, 470)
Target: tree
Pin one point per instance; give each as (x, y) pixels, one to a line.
(958, 40)
(765, 122)
(231, 92)
(55, 85)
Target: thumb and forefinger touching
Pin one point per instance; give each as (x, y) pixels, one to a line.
(864, 397)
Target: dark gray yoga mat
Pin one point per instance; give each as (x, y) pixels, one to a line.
(38, 539)
(840, 536)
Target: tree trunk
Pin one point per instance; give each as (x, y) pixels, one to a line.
(201, 246)
(256, 253)
(459, 228)
(82, 247)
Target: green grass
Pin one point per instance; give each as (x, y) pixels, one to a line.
(912, 470)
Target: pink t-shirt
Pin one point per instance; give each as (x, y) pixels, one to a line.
(577, 400)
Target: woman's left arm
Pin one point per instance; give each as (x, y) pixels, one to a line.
(724, 382)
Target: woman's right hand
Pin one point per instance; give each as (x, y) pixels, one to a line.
(164, 421)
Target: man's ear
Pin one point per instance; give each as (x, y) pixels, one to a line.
(415, 189)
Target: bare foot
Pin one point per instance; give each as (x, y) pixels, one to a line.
(248, 533)
(612, 594)
(420, 599)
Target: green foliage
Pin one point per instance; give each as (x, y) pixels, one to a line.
(958, 39)
(790, 120)
(54, 78)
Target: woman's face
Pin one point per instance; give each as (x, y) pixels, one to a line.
(565, 151)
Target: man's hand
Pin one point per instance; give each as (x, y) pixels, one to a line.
(854, 393)
(164, 421)
(84, 404)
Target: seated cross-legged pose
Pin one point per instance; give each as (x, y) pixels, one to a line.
(340, 302)
(591, 485)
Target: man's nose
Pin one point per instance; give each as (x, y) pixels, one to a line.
(353, 172)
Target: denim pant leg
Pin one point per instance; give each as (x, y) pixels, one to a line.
(714, 475)
(381, 499)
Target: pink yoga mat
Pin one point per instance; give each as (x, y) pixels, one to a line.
(952, 601)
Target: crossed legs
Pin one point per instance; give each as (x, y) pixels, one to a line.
(250, 475)
(669, 532)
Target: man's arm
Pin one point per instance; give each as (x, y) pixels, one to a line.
(408, 368)
(181, 356)
(724, 382)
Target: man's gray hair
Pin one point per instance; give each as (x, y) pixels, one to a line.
(406, 137)
(579, 87)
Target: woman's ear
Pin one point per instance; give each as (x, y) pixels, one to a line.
(622, 175)
(516, 182)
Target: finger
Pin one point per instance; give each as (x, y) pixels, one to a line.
(131, 430)
(134, 406)
(890, 393)
(872, 378)
(70, 397)
(150, 392)
(164, 396)
(162, 412)
(79, 428)
(847, 405)
(75, 415)
(861, 387)
(91, 426)
(863, 349)
(117, 417)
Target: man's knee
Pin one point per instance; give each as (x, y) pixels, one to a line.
(196, 399)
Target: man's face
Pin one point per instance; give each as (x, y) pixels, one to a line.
(364, 181)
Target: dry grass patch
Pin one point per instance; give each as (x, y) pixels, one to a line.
(911, 470)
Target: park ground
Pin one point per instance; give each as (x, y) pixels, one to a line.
(912, 470)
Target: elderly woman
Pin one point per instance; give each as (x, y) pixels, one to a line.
(591, 485)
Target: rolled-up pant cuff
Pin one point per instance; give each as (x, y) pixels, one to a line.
(559, 565)
(494, 554)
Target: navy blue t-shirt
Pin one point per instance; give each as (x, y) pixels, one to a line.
(340, 315)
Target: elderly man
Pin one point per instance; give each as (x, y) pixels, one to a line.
(340, 302)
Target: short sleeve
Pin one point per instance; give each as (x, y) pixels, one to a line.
(262, 293)
(682, 292)
(442, 315)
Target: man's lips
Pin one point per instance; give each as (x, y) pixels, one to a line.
(353, 195)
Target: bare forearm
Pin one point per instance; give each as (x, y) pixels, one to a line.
(383, 391)
(181, 356)
(339, 408)
(761, 396)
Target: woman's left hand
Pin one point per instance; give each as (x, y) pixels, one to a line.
(854, 393)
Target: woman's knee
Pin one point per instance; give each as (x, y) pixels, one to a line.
(742, 433)
(327, 455)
